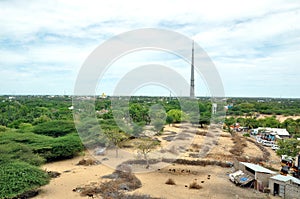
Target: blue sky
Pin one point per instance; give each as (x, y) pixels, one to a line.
(255, 45)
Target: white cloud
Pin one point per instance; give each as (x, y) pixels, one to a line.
(49, 40)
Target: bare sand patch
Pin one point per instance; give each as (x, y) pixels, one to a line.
(71, 176)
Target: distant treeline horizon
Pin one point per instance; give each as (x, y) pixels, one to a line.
(149, 96)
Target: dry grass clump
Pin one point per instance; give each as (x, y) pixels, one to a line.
(88, 162)
(195, 185)
(196, 146)
(239, 145)
(266, 153)
(203, 133)
(225, 135)
(122, 180)
(53, 174)
(170, 181)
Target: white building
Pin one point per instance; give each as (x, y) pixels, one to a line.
(279, 133)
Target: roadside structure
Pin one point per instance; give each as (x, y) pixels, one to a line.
(287, 187)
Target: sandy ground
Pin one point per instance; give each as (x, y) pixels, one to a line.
(153, 183)
(71, 177)
(218, 186)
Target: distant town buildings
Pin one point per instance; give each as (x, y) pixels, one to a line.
(272, 133)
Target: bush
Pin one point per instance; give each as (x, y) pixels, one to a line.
(123, 179)
(60, 148)
(20, 177)
(16, 151)
(2, 128)
(47, 147)
(195, 185)
(55, 128)
(170, 181)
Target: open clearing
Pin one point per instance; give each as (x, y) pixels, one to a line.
(217, 186)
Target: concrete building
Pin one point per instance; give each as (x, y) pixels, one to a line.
(260, 174)
(287, 187)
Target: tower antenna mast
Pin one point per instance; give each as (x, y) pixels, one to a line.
(192, 89)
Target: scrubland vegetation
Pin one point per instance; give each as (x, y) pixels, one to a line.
(39, 129)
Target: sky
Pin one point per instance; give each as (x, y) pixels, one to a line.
(255, 45)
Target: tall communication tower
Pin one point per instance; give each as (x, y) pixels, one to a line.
(192, 89)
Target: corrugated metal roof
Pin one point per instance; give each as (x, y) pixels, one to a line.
(257, 168)
(283, 178)
(278, 131)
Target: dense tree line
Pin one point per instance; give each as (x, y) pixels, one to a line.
(269, 106)
(33, 109)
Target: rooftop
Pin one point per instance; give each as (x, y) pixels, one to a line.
(278, 131)
(283, 178)
(258, 168)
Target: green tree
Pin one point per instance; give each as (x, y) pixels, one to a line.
(205, 118)
(194, 118)
(137, 129)
(290, 147)
(158, 125)
(169, 120)
(115, 138)
(145, 146)
(228, 122)
(177, 115)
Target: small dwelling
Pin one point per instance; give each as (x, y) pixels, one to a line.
(260, 174)
(287, 187)
(277, 133)
(282, 133)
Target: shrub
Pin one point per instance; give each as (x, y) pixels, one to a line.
(55, 128)
(60, 148)
(195, 185)
(170, 181)
(2, 128)
(20, 177)
(123, 179)
(16, 151)
(47, 147)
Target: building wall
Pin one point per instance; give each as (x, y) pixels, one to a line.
(262, 178)
(271, 185)
(292, 191)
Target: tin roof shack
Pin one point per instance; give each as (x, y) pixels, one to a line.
(287, 187)
(260, 174)
(271, 133)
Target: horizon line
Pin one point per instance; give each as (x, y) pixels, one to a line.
(99, 95)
